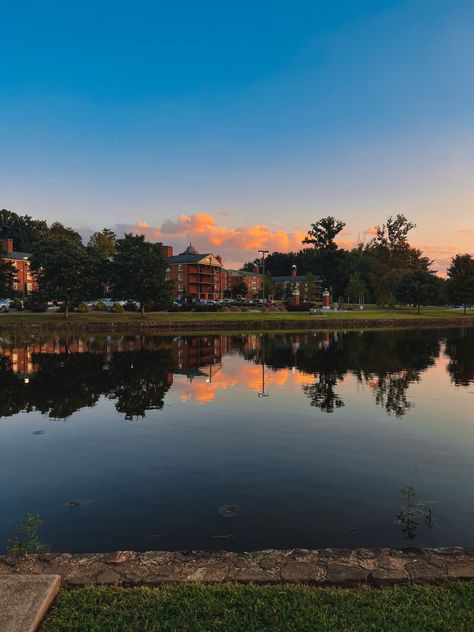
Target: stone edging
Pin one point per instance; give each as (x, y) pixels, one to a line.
(341, 567)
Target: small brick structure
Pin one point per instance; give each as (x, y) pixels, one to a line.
(336, 567)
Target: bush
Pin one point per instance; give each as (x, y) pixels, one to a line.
(118, 308)
(17, 304)
(36, 306)
(100, 306)
(130, 306)
(302, 307)
(83, 308)
(174, 308)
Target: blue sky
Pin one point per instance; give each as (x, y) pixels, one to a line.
(254, 114)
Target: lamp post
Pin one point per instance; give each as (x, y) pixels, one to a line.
(263, 392)
(25, 259)
(263, 253)
(210, 278)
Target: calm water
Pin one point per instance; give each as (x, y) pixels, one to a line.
(137, 442)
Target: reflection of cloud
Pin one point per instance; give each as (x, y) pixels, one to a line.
(246, 376)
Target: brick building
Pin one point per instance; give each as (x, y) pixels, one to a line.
(200, 276)
(24, 281)
(297, 285)
(253, 281)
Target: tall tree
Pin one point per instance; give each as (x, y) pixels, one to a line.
(64, 270)
(139, 271)
(7, 277)
(102, 244)
(24, 230)
(418, 287)
(59, 230)
(323, 233)
(460, 285)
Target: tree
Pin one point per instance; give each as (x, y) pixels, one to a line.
(239, 289)
(24, 230)
(460, 285)
(418, 288)
(102, 244)
(7, 277)
(64, 270)
(323, 232)
(311, 287)
(59, 230)
(139, 271)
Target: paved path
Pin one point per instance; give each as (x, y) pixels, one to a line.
(24, 600)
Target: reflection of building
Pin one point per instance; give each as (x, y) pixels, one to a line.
(25, 282)
(200, 276)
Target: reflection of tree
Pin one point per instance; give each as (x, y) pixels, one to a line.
(66, 382)
(460, 350)
(322, 394)
(140, 381)
(388, 361)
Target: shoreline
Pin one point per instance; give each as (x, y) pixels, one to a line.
(41, 325)
(323, 567)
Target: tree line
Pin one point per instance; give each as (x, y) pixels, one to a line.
(386, 270)
(71, 272)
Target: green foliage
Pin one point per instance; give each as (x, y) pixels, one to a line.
(102, 244)
(323, 233)
(448, 607)
(239, 289)
(100, 306)
(83, 308)
(24, 230)
(65, 270)
(7, 278)
(26, 537)
(460, 285)
(118, 308)
(418, 287)
(139, 271)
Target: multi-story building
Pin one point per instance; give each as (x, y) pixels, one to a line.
(199, 276)
(238, 280)
(25, 282)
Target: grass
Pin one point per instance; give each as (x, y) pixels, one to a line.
(285, 608)
(170, 317)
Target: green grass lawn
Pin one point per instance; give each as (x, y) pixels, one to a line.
(229, 608)
(370, 313)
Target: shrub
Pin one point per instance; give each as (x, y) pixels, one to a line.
(36, 306)
(118, 308)
(100, 306)
(130, 306)
(83, 308)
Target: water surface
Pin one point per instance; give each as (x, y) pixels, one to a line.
(140, 442)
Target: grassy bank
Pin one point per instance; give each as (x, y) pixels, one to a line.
(284, 608)
(169, 318)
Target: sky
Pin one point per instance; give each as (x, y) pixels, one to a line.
(237, 125)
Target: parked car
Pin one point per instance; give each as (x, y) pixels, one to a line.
(5, 305)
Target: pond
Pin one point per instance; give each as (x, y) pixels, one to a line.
(240, 442)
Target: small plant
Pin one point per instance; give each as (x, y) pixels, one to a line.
(84, 308)
(26, 537)
(410, 512)
(100, 306)
(118, 308)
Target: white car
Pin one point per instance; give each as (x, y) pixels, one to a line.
(4, 305)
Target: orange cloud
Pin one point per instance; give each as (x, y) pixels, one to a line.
(202, 229)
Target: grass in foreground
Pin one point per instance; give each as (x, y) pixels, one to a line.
(285, 608)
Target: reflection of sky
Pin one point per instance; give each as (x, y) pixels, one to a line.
(302, 477)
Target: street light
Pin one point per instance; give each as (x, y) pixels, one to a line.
(25, 286)
(263, 253)
(263, 392)
(210, 278)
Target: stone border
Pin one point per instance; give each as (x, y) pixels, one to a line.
(338, 567)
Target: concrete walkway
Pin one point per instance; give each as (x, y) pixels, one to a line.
(25, 599)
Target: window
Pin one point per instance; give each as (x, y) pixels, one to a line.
(180, 277)
(180, 267)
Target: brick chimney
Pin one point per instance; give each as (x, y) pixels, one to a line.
(166, 251)
(219, 258)
(6, 245)
(293, 273)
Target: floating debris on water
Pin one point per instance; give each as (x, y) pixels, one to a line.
(38, 432)
(78, 503)
(226, 536)
(229, 511)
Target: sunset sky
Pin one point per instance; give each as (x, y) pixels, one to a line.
(235, 125)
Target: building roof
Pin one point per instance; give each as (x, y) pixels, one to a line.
(244, 273)
(194, 258)
(15, 254)
(284, 279)
(190, 250)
